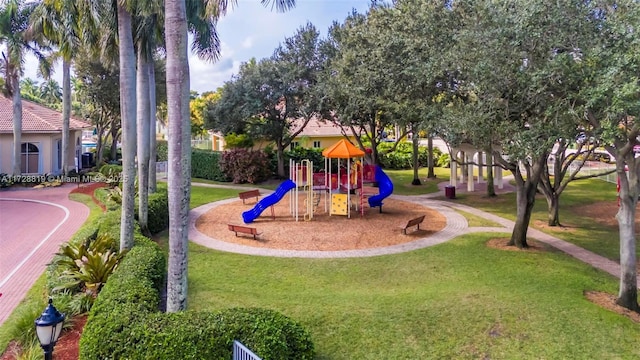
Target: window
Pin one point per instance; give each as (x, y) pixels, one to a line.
(30, 156)
(316, 144)
(294, 144)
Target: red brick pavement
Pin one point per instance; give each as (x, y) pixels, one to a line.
(31, 232)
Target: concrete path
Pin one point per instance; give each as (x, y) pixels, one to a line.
(33, 224)
(456, 225)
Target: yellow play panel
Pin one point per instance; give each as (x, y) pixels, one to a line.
(339, 204)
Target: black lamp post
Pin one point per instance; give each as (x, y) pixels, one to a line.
(48, 328)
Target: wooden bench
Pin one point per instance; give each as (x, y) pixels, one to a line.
(413, 222)
(249, 194)
(244, 229)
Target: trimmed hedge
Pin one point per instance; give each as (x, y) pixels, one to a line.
(125, 323)
(131, 294)
(201, 335)
(205, 164)
(158, 208)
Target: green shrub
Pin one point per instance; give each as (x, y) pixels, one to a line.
(234, 141)
(200, 335)
(205, 164)
(158, 212)
(158, 208)
(162, 150)
(245, 166)
(125, 323)
(130, 295)
(298, 154)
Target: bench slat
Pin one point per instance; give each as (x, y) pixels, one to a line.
(413, 222)
(244, 229)
(249, 194)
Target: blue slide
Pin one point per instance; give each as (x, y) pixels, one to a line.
(250, 215)
(386, 188)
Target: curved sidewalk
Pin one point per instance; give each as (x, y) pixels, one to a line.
(456, 225)
(28, 244)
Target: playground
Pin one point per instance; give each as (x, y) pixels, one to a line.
(324, 211)
(323, 232)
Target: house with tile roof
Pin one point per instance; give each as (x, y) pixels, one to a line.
(318, 133)
(41, 139)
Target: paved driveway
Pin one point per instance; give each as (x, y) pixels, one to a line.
(33, 224)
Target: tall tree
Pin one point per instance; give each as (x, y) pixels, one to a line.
(612, 103)
(59, 21)
(523, 89)
(275, 98)
(179, 182)
(128, 119)
(16, 35)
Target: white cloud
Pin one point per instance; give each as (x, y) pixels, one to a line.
(247, 43)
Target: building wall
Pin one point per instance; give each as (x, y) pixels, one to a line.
(307, 142)
(47, 147)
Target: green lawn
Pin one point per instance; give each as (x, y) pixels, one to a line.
(402, 181)
(579, 230)
(455, 300)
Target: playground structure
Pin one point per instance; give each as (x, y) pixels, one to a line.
(308, 183)
(335, 188)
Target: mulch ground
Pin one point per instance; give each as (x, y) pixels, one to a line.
(323, 232)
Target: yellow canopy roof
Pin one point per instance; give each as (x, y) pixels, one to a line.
(343, 149)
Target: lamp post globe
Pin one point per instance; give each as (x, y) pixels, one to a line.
(48, 328)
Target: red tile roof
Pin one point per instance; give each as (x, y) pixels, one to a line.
(317, 128)
(35, 118)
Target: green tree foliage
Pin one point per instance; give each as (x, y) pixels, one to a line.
(517, 102)
(274, 98)
(611, 100)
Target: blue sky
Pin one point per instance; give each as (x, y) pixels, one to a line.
(251, 30)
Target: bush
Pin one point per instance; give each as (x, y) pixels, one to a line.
(130, 295)
(125, 323)
(234, 141)
(158, 207)
(205, 164)
(158, 212)
(245, 166)
(200, 335)
(162, 150)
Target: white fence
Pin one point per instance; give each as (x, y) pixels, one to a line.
(240, 352)
(201, 144)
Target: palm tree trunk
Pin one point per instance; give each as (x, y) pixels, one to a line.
(17, 126)
(66, 113)
(143, 109)
(179, 174)
(153, 152)
(128, 114)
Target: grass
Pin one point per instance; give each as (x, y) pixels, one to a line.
(402, 181)
(460, 299)
(579, 230)
(477, 221)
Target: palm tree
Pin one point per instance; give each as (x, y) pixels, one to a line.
(179, 174)
(30, 90)
(51, 92)
(59, 21)
(18, 39)
(128, 119)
